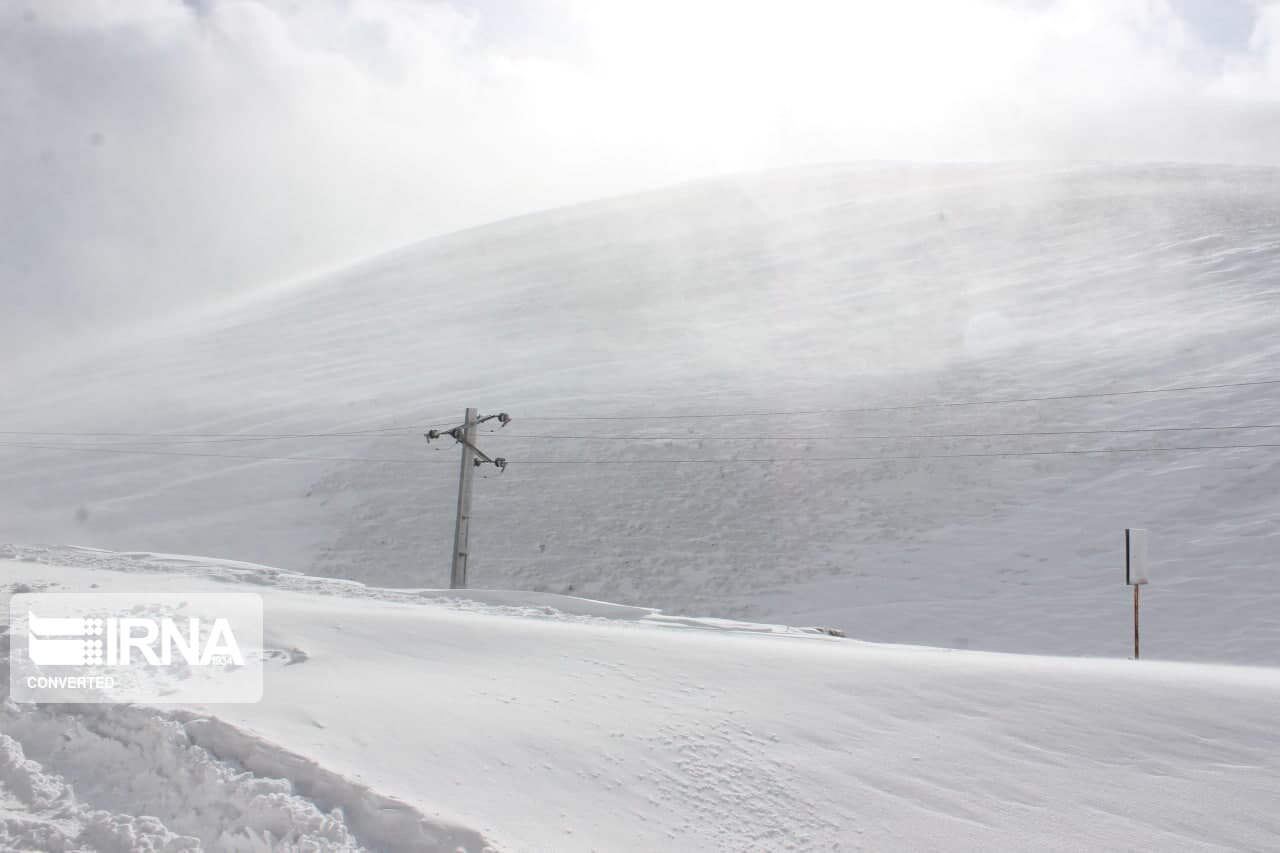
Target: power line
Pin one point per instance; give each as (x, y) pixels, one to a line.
(698, 461)
(175, 441)
(199, 437)
(216, 438)
(189, 439)
(145, 452)
(814, 459)
(181, 439)
(911, 406)
(887, 436)
(203, 437)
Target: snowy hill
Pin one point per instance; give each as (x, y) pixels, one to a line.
(420, 721)
(831, 289)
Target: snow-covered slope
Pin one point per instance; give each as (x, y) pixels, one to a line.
(417, 720)
(824, 289)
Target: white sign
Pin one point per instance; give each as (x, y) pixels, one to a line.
(1135, 556)
(148, 647)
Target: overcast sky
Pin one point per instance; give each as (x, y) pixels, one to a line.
(157, 152)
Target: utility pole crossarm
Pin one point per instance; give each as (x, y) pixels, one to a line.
(461, 434)
(482, 457)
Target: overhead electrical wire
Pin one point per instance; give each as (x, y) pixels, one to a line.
(152, 452)
(391, 432)
(443, 422)
(218, 437)
(695, 461)
(894, 457)
(909, 406)
(889, 436)
(38, 440)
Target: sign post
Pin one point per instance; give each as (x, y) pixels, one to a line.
(1135, 571)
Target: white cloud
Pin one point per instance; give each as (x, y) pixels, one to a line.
(156, 151)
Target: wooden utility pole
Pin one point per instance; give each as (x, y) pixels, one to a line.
(1135, 571)
(472, 458)
(1136, 587)
(458, 575)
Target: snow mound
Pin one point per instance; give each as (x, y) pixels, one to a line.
(508, 602)
(124, 779)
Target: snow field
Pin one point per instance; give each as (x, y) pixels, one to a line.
(550, 732)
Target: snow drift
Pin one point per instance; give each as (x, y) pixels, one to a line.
(418, 720)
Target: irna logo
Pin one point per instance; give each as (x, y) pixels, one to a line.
(76, 641)
(154, 647)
